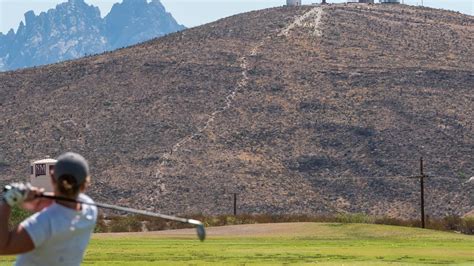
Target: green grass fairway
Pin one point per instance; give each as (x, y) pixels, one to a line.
(277, 244)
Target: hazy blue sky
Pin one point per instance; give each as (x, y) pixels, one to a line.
(191, 12)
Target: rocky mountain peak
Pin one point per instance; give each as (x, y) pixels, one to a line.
(72, 4)
(75, 2)
(125, 17)
(74, 29)
(21, 28)
(157, 3)
(30, 17)
(76, 8)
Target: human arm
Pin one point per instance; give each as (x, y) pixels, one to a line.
(18, 240)
(36, 204)
(15, 241)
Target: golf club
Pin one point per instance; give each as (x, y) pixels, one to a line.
(201, 232)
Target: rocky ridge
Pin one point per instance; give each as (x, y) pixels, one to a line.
(75, 29)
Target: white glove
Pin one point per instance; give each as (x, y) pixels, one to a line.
(14, 194)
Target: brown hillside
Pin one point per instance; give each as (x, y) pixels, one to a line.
(299, 110)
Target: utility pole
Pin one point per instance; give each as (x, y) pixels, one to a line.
(235, 204)
(422, 189)
(422, 177)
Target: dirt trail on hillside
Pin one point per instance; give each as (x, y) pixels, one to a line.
(310, 19)
(243, 82)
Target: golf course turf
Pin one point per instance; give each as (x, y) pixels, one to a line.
(277, 244)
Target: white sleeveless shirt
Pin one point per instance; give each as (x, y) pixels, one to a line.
(60, 235)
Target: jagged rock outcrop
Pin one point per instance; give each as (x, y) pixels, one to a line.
(134, 21)
(75, 29)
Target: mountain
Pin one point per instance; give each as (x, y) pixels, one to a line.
(135, 21)
(311, 109)
(75, 29)
(72, 30)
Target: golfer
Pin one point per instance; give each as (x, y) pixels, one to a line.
(59, 232)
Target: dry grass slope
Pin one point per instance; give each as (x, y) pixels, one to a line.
(299, 110)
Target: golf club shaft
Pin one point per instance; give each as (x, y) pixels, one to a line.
(129, 210)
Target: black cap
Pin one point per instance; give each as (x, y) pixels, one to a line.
(72, 164)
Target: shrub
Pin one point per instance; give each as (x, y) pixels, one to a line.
(138, 223)
(435, 224)
(125, 224)
(467, 225)
(452, 222)
(354, 218)
(388, 221)
(101, 225)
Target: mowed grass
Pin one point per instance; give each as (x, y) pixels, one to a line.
(278, 244)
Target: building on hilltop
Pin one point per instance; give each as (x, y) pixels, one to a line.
(293, 2)
(390, 1)
(361, 1)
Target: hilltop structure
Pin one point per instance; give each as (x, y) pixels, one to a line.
(293, 2)
(361, 1)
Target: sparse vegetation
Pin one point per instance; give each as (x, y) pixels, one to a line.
(138, 223)
(318, 126)
(3, 163)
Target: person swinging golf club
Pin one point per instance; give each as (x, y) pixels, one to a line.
(59, 232)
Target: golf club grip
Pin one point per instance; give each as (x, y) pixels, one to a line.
(130, 210)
